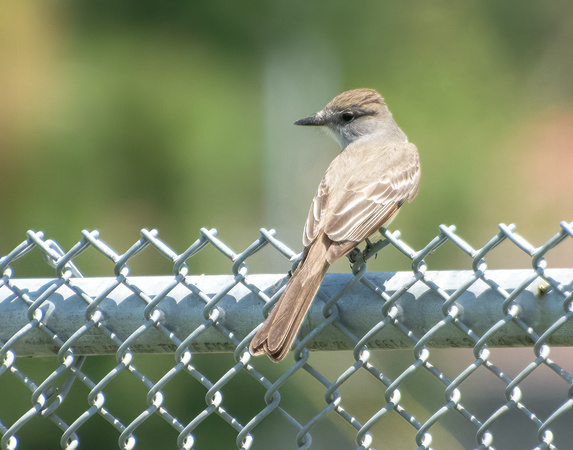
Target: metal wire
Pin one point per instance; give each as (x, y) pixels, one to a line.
(73, 319)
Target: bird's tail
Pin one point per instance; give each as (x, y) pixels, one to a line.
(281, 327)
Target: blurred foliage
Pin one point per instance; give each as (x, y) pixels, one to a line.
(119, 116)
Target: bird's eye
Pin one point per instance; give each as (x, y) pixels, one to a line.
(347, 116)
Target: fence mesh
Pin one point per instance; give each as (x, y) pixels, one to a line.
(355, 399)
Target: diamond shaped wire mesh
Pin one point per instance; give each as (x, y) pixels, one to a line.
(358, 398)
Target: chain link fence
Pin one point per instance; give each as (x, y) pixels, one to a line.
(476, 358)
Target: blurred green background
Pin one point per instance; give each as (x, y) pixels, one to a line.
(119, 116)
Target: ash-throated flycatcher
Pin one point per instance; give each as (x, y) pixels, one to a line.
(364, 186)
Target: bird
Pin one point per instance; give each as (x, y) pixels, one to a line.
(365, 185)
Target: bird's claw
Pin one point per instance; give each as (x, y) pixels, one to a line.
(353, 255)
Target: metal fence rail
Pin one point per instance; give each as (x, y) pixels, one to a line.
(74, 319)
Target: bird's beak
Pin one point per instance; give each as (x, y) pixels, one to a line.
(317, 120)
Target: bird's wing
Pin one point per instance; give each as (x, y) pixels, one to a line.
(311, 227)
(367, 203)
(369, 187)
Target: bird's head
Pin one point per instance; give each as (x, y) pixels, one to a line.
(352, 115)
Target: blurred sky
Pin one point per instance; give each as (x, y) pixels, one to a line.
(119, 116)
(176, 115)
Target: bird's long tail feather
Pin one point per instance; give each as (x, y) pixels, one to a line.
(278, 332)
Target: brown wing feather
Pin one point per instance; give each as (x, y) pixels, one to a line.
(365, 210)
(374, 190)
(311, 227)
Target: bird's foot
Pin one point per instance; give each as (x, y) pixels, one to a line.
(353, 255)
